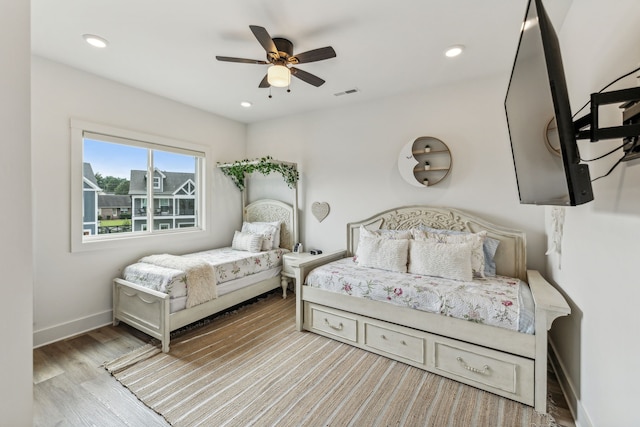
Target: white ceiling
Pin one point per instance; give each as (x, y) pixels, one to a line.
(168, 47)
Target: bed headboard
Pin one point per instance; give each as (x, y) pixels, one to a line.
(511, 253)
(268, 210)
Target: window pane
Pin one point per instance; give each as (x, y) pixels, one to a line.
(176, 175)
(110, 204)
(131, 186)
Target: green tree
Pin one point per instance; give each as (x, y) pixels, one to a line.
(112, 184)
(99, 179)
(123, 187)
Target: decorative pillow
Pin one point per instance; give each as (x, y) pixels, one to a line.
(489, 248)
(246, 242)
(448, 260)
(385, 254)
(476, 239)
(270, 232)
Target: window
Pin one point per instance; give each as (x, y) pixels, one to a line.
(158, 181)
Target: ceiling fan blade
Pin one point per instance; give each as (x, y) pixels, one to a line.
(313, 55)
(307, 77)
(242, 60)
(265, 40)
(264, 83)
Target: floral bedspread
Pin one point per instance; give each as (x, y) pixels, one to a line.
(491, 301)
(229, 264)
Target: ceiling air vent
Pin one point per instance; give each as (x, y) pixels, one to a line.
(347, 92)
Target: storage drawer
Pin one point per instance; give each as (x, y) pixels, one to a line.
(500, 371)
(334, 323)
(395, 342)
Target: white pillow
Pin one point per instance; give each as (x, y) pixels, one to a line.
(385, 254)
(246, 242)
(476, 240)
(270, 232)
(448, 260)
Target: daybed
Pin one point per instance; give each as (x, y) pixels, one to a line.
(158, 313)
(503, 361)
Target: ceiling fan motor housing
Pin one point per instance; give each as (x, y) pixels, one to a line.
(285, 48)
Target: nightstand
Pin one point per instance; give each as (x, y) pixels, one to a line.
(292, 259)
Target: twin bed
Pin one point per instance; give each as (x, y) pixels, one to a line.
(152, 294)
(489, 332)
(484, 322)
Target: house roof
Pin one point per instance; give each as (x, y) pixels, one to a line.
(87, 173)
(171, 182)
(114, 201)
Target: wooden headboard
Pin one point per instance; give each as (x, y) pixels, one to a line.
(268, 210)
(510, 256)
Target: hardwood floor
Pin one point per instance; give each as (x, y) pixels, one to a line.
(71, 388)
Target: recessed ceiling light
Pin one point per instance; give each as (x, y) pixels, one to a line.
(454, 51)
(246, 104)
(95, 41)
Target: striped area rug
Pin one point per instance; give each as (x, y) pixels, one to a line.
(252, 368)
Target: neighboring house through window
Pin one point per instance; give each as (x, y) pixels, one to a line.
(174, 207)
(90, 190)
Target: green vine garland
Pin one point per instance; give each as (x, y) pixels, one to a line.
(239, 169)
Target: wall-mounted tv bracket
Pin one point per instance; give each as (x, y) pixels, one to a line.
(587, 126)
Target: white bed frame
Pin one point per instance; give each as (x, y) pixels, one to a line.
(148, 310)
(501, 361)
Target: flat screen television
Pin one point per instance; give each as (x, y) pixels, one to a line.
(537, 95)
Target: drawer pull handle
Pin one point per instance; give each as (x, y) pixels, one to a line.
(337, 328)
(484, 371)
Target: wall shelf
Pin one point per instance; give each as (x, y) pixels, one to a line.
(414, 155)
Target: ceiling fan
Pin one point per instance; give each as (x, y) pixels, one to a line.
(280, 56)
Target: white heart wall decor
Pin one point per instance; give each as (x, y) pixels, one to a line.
(320, 210)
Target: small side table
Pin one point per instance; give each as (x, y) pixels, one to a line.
(292, 259)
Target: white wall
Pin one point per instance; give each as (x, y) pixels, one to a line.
(72, 291)
(348, 157)
(16, 248)
(598, 270)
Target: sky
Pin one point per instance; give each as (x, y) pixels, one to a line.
(110, 159)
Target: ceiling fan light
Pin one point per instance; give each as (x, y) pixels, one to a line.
(278, 76)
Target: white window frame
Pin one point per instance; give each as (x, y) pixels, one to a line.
(80, 128)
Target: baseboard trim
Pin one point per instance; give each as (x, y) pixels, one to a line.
(70, 329)
(568, 390)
